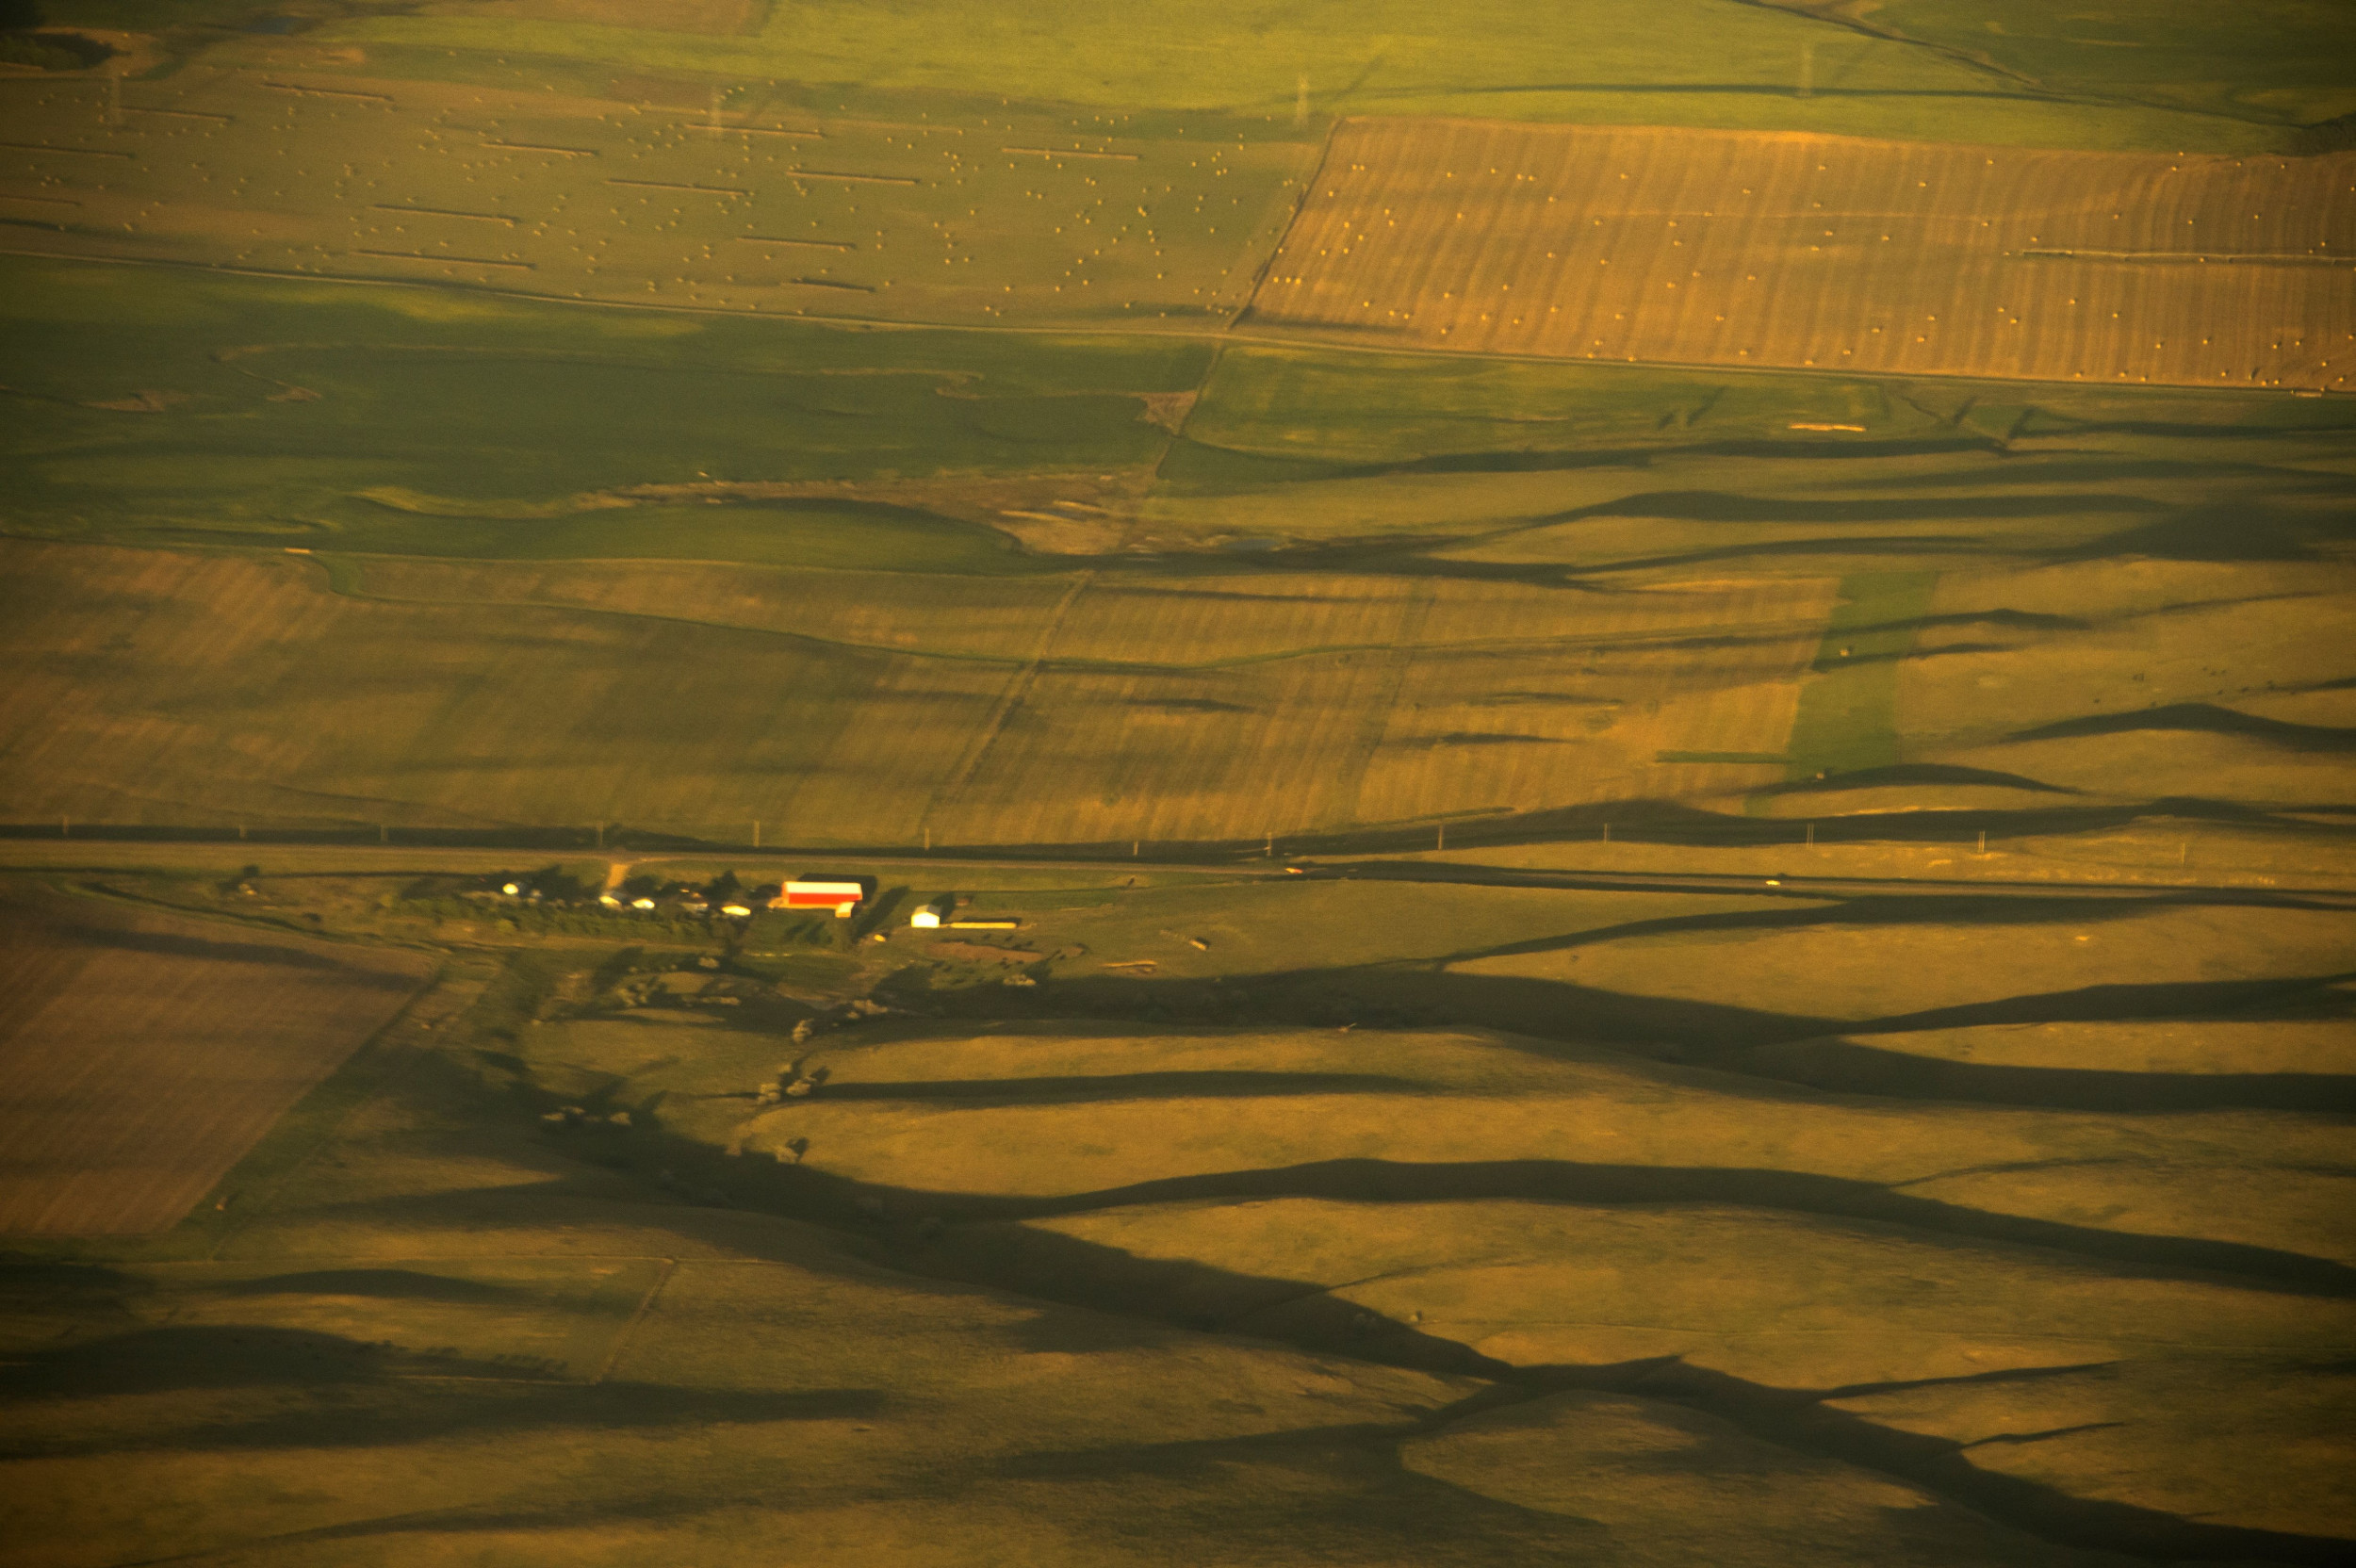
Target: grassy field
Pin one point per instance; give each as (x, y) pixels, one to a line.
(1364, 606)
(1558, 1282)
(145, 1054)
(755, 202)
(1692, 63)
(1813, 1024)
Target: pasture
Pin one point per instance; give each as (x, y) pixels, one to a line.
(1925, 75)
(1126, 1221)
(1794, 251)
(145, 1054)
(891, 587)
(755, 205)
(646, 430)
(1065, 710)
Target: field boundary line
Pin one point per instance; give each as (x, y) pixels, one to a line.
(1010, 698)
(645, 1304)
(1292, 219)
(1376, 723)
(396, 1074)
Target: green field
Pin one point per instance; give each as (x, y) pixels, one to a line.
(1037, 615)
(1920, 71)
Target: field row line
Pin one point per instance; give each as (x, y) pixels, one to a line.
(1073, 663)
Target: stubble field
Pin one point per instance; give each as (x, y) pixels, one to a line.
(145, 1054)
(1881, 258)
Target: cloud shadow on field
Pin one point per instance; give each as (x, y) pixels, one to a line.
(1084, 1090)
(369, 1396)
(810, 1189)
(2244, 529)
(2199, 718)
(1899, 775)
(383, 1284)
(1751, 1047)
(173, 945)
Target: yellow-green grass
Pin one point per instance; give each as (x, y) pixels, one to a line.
(1885, 960)
(2236, 1438)
(1985, 1341)
(1675, 1485)
(704, 702)
(1761, 68)
(2156, 852)
(892, 212)
(2210, 1047)
(1238, 1109)
(556, 1308)
(145, 1052)
(1783, 1300)
(203, 407)
(448, 1335)
(2277, 55)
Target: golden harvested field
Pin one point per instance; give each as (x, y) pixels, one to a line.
(1789, 250)
(1082, 706)
(141, 1053)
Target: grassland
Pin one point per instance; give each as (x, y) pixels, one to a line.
(1692, 63)
(884, 211)
(1813, 1026)
(145, 1054)
(864, 604)
(1558, 1281)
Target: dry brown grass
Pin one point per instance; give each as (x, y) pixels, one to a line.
(141, 1053)
(1788, 250)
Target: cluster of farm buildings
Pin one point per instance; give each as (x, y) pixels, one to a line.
(844, 895)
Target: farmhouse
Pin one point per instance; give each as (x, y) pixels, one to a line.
(843, 894)
(930, 916)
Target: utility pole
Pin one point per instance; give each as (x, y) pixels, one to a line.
(1811, 835)
(1300, 100)
(756, 832)
(1807, 69)
(1443, 843)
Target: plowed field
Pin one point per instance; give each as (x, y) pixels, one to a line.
(142, 1054)
(1792, 251)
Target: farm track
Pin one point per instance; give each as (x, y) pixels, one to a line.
(1825, 252)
